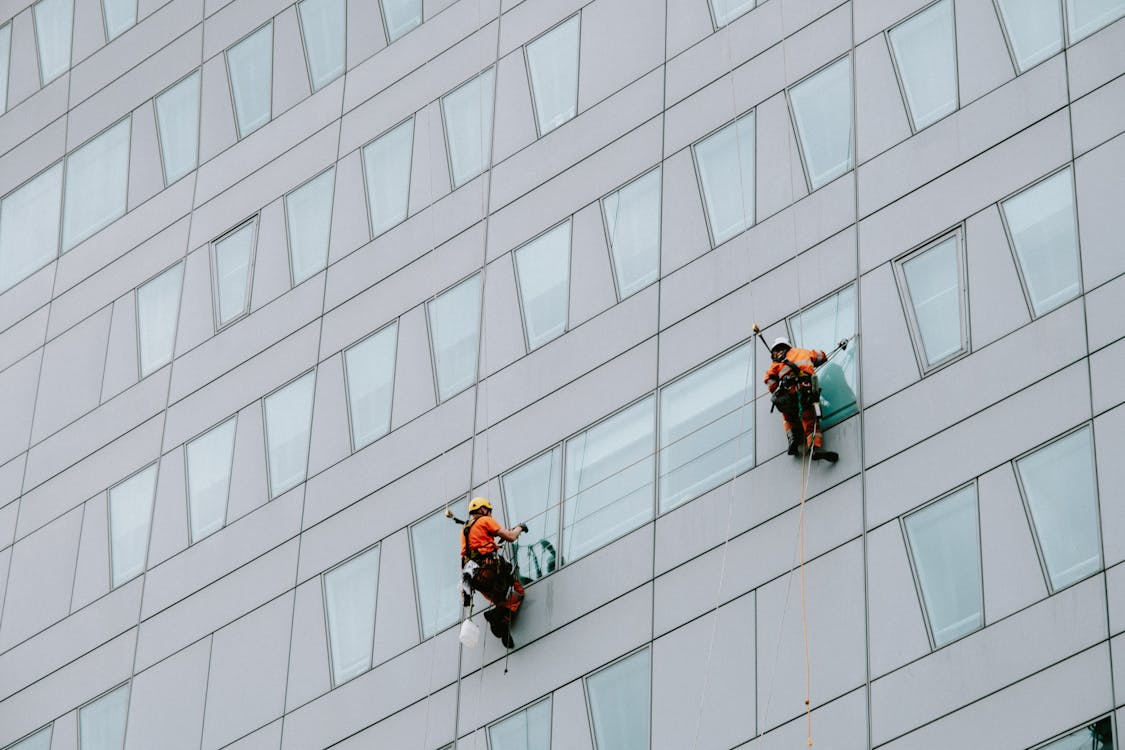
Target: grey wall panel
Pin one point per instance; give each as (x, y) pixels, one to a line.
(9, 510)
(38, 152)
(121, 360)
(1070, 621)
(428, 723)
(514, 122)
(1103, 364)
(983, 62)
(429, 175)
(91, 576)
(23, 81)
(309, 669)
(1097, 59)
(24, 337)
(1013, 577)
(71, 380)
(396, 624)
(1097, 117)
(997, 304)
(350, 227)
(364, 31)
(591, 274)
(609, 60)
(683, 226)
(873, 16)
(885, 352)
(821, 41)
(217, 129)
(89, 29)
(272, 274)
(1117, 648)
(1109, 434)
(1098, 180)
(895, 623)
(225, 27)
(18, 385)
(249, 485)
(838, 724)
(1115, 593)
(331, 439)
(31, 295)
(502, 337)
(197, 319)
(570, 723)
(414, 391)
(881, 119)
(169, 534)
(530, 20)
(266, 738)
(166, 701)
(706, 333)
(5, 559)
(64, 732)
(146, 176)
(701, 680)
(290, 71)
(688, 24)
(779, 180)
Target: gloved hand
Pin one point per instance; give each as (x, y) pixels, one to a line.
(843, 344)
(524, 527)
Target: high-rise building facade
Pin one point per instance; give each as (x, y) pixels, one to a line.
(282, 283)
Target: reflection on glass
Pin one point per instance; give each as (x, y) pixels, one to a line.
(822, 110)
(234, 254)
(1059, 485)
(120, 16)
(1097, 736)
(53, 27)
(29, 227)
(725, 161)
(349, 599)
(822, 326)
(209, 460)
(1044, 231)
(1084, 17)
(1034, 29)
(97, 180)
(370, 367)
(322, 27)
(529, 729)
(437, 569)
(288, 425)
(177, 120)
(706, 428)
(933, 285)
(386, 166)
(158, 308)
(130, 513)
(543, 273)
(632, 222)
(468, 127)
(454, 331)
(608, 480)
(552, 61)
(620, 697)
(250, 66)
(308, 216)
(923, 48)
(945, 546)
(531, 496)
(400, 16)
(101, 724)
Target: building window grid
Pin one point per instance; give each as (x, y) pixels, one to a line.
(391, 329)
(433, 329)
(545, 702)
(253, 123)
(300, 476)
(522, 295)
(409, 23)
(51, 248)
(114, 554)
(750, 212)
(372, 231)
(112, 693)
(40, 739)
(318, 82)
(102, 174)
(591, 713)
(728, 14)
(164, 140)
(484, 81)
(216, 287)
(144, 367)
(308, 249)
(51, 70)
(232, 421)
(377, 549)
(542, 128)
(430, 619)
(815, 182)
(1067, 35)
(900, 77)
(615, 264)
(128, 21)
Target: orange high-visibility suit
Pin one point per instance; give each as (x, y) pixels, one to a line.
(805, 361)
(495, 573)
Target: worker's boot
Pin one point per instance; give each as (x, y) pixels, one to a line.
(794, 444)
(819, 454)
(496, 622)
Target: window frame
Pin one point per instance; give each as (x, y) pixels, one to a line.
(105, 22)
(797, 128)
(659, 229)
(128, 684)
(528, 348)
(1019, 70)
(239, 135)
(327, 625)
(348, 387)
(266, 430)
(213, 263)
(230, 477)
(503, 495)
(522, 709)
(58, 219)
(854, 341)
(43, 82)
(414, 580)
(1046, 744)
(141, 374)
(198, 126)
(900, 79)
(293, 283)
(539, 132)
(6, 67)
(753, 111)
(487, 163)
(430, 337)
(957, 233)
(313, 88)
(387, 27)
(49, 728)
(413, 119)
(63, 247)
(716, 26)
(155, 466)
(590, 703)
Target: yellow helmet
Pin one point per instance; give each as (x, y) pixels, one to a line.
(477, 503)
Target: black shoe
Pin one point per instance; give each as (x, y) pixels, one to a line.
(794, 448)
(506, 639)
(823, 455)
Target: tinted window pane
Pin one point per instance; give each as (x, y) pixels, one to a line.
(706, 428)
(728, 10)
(349, 600)
(454, 328)
(927, 63)
(130, 511)
(726, 173)
(632, 220)
(5, 49)
(97, 179)
(437, 570)
(52, 34)
(543, 271)
(158, 307)
(41, 740)
(608, 480)
(288, 418)
(233, 256)
(308, 214)
(531, 496)
(101, 724)
(120, 16)
(822, 326)
(468, 127)
(530, 729)
(400, 16)
(933, 282)
(1034, 29)
(322, 26)
(1043, 229)
(29, 227)
(620, 703)
(1058, 481)
(1084, 17)
(552, 61)
(209, 459)
(386, 165)
(177, 117)
(1097, 736)
(945, 545)
(250, 64)
(371, 373)
(822, 110)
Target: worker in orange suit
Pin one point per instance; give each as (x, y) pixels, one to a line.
(791, 380)
(486, 571)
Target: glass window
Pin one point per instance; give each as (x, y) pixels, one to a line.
(101, 724)
(543, 272)
(130, 512)
(608, 486)
(1034, 29)
(620, 702)
(706, 427)
(1084, 17)
(120, 16)
(234, 261)
(250, 65)
(349, 599)
(725, 162)
(727, 10)
(370, 369)
(822, 111)
(97, 182)
(177, 120)
(209, 460)
(400, 16)
(322, 26)
(926, 61)
(29, 227)
(822, 326)
(435, 543)
(308, 216)
(1060, 488)
(158, 307)
(933, 279)
(53, 26)
(944, 541)
(532, 494)
(1097, 736)
(529, 729)
(5, 50)
(454, 317)
(1044, 233)
(552, 62)
(468, 127)
(41, 740)
(632, 222)
(288, 425)
(386, 167)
